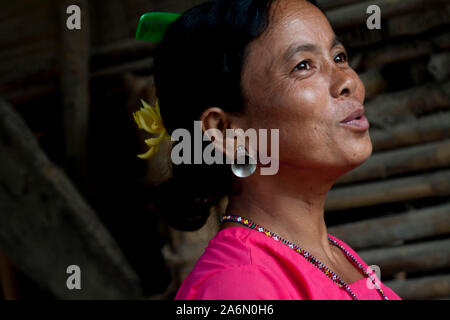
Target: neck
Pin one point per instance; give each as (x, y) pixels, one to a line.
(289, 204)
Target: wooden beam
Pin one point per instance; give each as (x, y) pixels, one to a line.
(120, 52)
(426, 256)
(46, 225)
(387, 191)
(25, 94)
(422, 288)
(144, 65)
(412, 225)
(419, 130)
(406, 160)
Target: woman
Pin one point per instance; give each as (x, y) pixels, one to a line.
(265, 65)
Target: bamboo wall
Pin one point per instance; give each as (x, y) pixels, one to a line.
(75, 93)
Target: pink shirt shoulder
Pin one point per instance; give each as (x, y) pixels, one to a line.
(243, 264)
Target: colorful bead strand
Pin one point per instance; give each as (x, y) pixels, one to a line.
(309, 257)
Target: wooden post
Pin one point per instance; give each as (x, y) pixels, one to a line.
(74, 84)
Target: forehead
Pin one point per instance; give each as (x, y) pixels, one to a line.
(291, 22)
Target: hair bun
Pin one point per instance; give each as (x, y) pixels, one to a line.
(181, 205)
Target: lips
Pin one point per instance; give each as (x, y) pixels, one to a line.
(358, 113)
(356, 119)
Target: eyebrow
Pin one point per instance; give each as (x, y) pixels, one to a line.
(295, 48)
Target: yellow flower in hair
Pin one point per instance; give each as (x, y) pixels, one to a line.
(149, 119)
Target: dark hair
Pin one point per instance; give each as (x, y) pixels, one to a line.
(198, 65)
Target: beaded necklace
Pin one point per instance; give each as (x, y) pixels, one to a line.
(330, 274)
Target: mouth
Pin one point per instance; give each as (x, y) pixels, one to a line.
(356, 120)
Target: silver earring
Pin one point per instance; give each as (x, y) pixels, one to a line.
(240, 167)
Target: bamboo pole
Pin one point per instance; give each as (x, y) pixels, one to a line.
(387, 191)
(412, 225)
(406, 160)
(355, 14)
(419, 21)
(331, 4)
(403, 51)
(374, 82)
(392, 108)
(436, 286)
(426, 256)
(424, 129)
(439, 66)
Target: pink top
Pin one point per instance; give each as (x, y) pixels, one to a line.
(244, 264)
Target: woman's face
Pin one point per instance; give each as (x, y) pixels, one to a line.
(305, 94)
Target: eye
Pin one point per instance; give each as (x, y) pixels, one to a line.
(341, 58)
(304, 65)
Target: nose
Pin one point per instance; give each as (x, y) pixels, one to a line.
(343, 83)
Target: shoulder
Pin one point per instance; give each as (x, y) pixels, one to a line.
(230, 269)
(228, 248)
(245, 282)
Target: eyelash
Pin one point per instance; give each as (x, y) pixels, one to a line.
(309, 61)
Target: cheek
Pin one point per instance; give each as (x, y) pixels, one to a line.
(302, 97)
(303, 120)
(360, 91)
(307, 105)
(299, 109)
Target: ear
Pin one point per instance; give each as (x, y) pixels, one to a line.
(215, 122)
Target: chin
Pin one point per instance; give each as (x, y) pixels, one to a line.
(357, 153)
